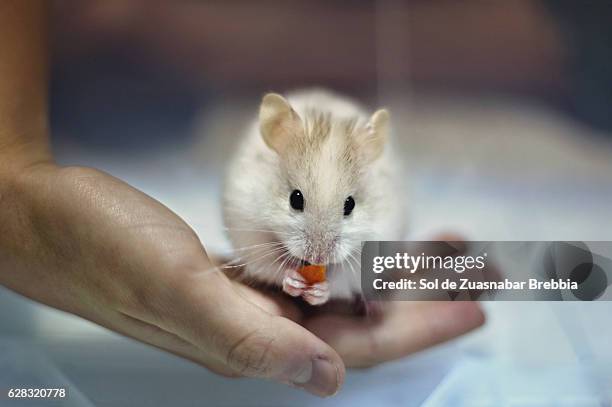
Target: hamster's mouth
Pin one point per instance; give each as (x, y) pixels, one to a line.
(307, 263)
(301, 262)
(298, 262)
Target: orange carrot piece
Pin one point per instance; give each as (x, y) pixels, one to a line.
(313, 273)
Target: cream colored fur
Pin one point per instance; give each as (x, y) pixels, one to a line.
(329, 148)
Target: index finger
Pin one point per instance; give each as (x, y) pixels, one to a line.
(220, 320)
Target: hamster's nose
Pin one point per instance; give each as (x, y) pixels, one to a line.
(320, 251)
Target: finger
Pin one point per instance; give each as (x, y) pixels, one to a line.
(217, 318)
(405, 327)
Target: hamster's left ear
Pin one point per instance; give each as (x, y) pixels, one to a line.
(278, 122)
(376, 136)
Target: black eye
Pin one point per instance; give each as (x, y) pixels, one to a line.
(297, 200)
(349, 205)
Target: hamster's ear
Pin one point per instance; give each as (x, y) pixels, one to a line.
(376, 135)
(278, 122)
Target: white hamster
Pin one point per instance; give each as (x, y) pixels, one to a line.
(314, 177)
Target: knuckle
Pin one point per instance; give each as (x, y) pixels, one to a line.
(252, 355)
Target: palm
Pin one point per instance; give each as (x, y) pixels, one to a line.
(403, 328)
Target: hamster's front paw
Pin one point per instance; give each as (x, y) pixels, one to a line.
(317, 294)
(295, 285)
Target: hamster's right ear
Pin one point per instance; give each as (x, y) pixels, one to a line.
(278, 122)
(376, 135)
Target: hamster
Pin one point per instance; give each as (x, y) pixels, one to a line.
(313, 177)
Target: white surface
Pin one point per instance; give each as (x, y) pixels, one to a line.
(528, 354)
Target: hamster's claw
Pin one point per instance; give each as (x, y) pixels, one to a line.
(317, 294)
(295, 285)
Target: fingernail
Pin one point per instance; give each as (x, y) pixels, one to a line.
(321, 377)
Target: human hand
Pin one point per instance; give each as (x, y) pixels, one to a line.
(82, 241)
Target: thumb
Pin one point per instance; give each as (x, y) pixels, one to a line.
(254, 343)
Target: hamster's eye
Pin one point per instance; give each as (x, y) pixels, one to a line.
(297, 200)
(349, 205)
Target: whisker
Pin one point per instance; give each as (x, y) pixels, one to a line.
(276, 250)
(351, 254)
(351, 258)
(231, 263)
(279, 269)
(255, 251)
(267, 244)
(256, 230)
(293, 262)
(281, 256)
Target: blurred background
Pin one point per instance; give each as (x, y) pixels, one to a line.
(502, 112)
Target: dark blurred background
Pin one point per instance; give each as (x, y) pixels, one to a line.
(129, 59)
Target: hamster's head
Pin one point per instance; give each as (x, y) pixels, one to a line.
(324, 201)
